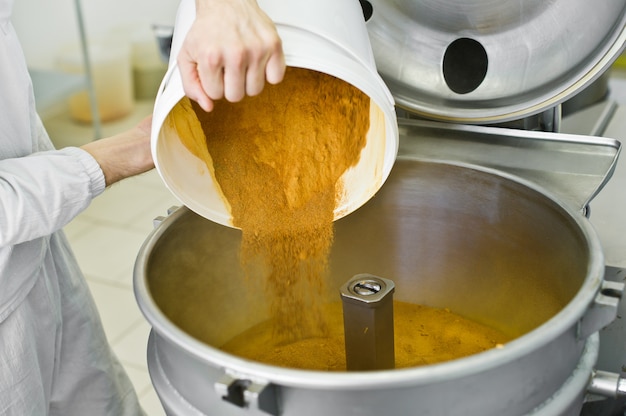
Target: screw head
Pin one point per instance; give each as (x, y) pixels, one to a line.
(366, 287)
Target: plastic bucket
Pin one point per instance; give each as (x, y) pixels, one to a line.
(327, 36)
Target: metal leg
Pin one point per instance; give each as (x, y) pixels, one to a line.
(93, 102)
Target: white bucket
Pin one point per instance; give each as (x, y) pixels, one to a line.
(327, 36)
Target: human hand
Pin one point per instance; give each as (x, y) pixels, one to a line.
(125, 154)
(230, 51)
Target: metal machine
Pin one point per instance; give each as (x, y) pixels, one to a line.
(500, 205)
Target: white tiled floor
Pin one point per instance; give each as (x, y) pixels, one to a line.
(106, 239)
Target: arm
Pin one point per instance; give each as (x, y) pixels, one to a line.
(123, 155)
(42, 192)
(230, 51)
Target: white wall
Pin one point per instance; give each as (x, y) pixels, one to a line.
(47, 27)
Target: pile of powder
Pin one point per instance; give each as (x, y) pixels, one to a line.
(423, 335)
(278, 158)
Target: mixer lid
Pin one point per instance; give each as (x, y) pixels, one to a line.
(478, 61)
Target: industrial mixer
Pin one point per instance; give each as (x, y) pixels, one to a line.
(477, 216)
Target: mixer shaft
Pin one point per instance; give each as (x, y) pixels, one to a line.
(368, 323)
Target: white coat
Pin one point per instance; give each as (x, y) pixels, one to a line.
(54, 357)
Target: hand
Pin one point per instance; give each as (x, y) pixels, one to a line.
(230, 51)
(125, 154)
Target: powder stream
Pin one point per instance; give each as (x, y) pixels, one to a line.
(278, 159)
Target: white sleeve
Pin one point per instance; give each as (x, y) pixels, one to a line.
(42, 192)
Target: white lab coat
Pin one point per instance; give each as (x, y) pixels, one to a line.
(54, 357)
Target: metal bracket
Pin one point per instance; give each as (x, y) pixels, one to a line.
(246, 393)
(158, 220)
(603, 310)
(606, 385)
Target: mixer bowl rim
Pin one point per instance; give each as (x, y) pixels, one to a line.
(565, 320)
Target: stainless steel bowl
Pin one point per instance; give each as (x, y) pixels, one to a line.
(481, 242)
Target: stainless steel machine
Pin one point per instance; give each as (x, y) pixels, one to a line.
(506, 204)
(529, 65)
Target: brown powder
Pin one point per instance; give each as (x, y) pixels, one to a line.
(423, 335)
(278, 159)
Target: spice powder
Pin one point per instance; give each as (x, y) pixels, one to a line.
(278, 159)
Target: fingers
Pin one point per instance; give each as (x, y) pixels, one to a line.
(219, 75)
(234, 76)
(192, 85)
(239, 75)
(270, 67)
(231, 50)
(275, 68)
(255, 79)
(245, 72)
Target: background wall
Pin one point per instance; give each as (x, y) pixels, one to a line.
(47, 27)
